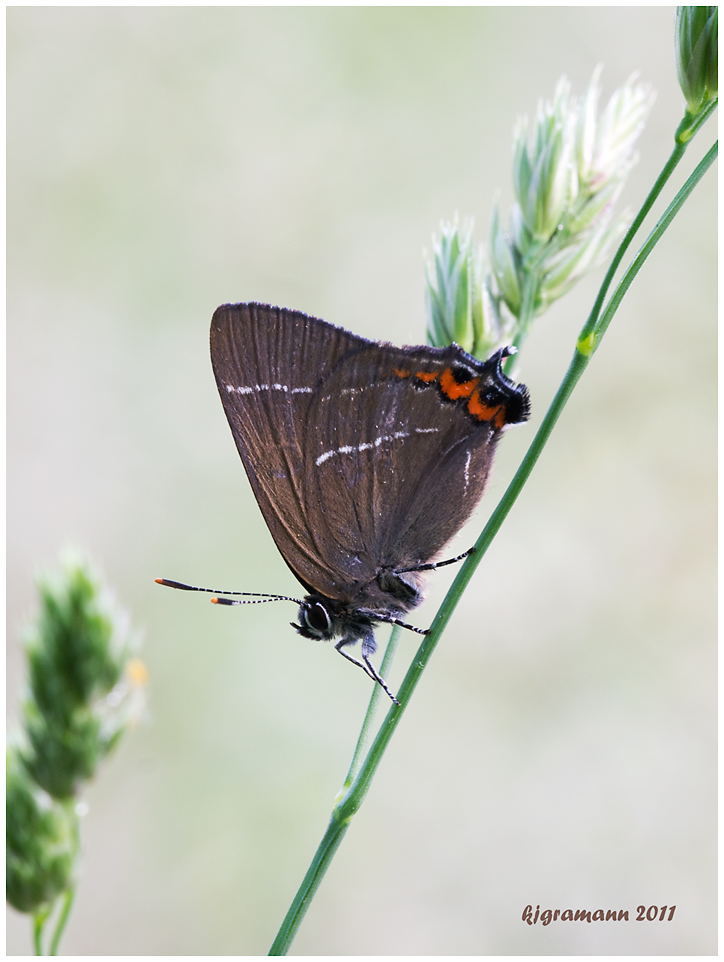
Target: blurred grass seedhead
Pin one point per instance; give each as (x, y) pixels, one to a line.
(83, 691)
(77, 649)
(40, 841)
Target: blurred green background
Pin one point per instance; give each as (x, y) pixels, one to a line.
(560, 750)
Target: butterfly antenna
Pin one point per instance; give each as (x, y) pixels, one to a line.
(259, 597)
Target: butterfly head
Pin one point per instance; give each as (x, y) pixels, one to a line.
(322, 619)
(316, 621)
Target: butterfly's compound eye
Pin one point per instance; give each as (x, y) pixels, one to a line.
(317, 619)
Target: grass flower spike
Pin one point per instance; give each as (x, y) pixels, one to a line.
(543, 174)
(76, 654)
(696, 39)
(568, 171)
(83, 690)
(458, 297)
(697, 55)
(41, 841)
(569, 168)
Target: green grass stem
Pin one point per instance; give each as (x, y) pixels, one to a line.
(62, 919)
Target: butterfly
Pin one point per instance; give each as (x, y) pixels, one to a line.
(365, 459)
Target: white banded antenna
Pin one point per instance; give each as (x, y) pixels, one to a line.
(259, 597)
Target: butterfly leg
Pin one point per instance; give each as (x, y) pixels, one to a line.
(369, 647)
(438, 564)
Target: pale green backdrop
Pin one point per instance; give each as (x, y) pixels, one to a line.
(560, 749)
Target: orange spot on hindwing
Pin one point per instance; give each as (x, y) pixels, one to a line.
(482, 412)
(453, 389)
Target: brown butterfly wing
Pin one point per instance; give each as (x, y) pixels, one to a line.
(395, 469)
(268, 361)
(362, 457)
